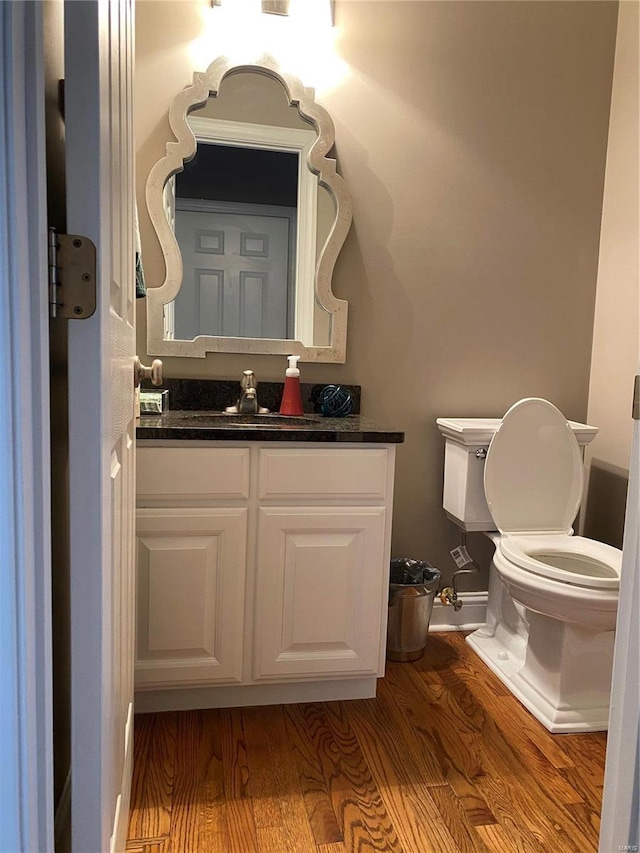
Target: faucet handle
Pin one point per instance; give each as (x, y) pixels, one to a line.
(248, 380)
(248, 400)
(248, 404)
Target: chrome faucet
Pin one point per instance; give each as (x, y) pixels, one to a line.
(247, 403)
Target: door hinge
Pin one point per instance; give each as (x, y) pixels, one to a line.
(635, 411)
(72, 276)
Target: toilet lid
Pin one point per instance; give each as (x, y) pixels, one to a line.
(533, 470)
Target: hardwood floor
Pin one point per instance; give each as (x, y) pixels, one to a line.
(444, 760)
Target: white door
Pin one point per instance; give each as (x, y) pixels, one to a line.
(100, 180)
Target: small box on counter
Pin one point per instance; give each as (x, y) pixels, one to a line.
(153, 402)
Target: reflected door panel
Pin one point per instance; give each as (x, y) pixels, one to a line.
(238, 272)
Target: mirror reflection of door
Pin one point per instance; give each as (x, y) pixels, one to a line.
(238, 266)
(238, 243)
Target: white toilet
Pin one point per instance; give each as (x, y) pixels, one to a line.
(553, 597)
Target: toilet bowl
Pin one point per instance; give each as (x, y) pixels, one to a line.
(553, 596)
(566, 577)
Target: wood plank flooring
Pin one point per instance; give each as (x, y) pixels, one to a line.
(444, 760)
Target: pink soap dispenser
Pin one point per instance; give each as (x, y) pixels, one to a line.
(292, 398)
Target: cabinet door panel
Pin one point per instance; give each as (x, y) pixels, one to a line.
(190, 582)
(320, 575)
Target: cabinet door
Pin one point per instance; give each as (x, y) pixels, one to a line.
(321, 590)
(190, 596)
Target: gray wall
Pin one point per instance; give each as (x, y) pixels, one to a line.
(473, 138)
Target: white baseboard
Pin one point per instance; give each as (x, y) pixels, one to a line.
(62, 819)
(471, 615)
(232, 696)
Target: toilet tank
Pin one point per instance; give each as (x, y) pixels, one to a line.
(466, 443)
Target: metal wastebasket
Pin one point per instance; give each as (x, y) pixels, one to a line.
(413, 585)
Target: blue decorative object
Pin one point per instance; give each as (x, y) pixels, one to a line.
(335, 401)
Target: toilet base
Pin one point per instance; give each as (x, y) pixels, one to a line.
(560, 672)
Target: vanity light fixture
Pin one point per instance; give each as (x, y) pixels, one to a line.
(275, 7)
(302, 41)
(271, 7)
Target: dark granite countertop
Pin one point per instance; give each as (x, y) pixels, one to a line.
(190, 425)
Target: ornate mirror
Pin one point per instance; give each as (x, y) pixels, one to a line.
(251, 215)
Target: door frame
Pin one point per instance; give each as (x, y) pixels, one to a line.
(26, 736)
(621, 795)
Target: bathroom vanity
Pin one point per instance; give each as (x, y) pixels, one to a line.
(262, 549)
(262, 560)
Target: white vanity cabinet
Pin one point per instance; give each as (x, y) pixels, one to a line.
(262, 571)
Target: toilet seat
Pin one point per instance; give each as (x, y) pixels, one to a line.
(533, 483)
(533, 471)
(572, 560)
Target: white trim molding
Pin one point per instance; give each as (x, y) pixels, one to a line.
(620, 827)
(26, 740)
(472, 614)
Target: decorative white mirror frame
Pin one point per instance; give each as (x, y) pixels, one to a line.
(159, 298)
